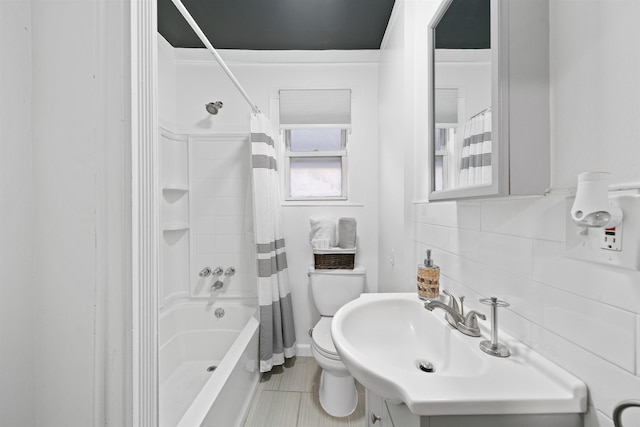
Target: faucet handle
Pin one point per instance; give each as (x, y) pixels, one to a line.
(470, 325)
(472, 317)
(453, 302)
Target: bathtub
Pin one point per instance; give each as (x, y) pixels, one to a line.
(208, 365)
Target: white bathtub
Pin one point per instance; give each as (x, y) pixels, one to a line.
(192, 339)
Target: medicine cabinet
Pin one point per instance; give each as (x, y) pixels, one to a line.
(489, 125)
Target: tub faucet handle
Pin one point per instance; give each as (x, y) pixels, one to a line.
(205, 272)
(230, 271)
(217, 271)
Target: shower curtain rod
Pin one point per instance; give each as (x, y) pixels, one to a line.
(187, 16)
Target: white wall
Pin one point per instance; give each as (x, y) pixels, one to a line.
(595, 102)
(402, 120)
(63, 203)
(581, 315)
(199, 80)
(65, 162)
(17, 269)
(392, 132)
(166, 85)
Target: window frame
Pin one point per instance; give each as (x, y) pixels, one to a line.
(288, 155)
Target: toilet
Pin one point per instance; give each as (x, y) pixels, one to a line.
(331, 289)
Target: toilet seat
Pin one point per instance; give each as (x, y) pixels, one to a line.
(322, 341)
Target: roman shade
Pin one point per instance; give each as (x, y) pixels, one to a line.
(315, 108)
(446, 106)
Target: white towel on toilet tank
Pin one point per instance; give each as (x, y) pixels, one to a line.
(347, 233)
(323, 232)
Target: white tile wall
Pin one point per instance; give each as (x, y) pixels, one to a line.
(581, 315)
(614, 286)
(508, 253)
(532, 217)
(220, 179)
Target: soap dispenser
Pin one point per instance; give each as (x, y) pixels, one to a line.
(428, 278)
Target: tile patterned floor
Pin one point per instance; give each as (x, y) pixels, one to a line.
(288, 397)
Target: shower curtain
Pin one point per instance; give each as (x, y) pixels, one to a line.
(277, 334)
(475, 164)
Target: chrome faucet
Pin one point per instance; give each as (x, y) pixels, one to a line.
(453, 304)
(468, 324)
(451, 313)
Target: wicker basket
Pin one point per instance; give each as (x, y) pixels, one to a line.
(330, 259)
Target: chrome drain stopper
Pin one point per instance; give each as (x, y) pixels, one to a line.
(425, 366)
(211, 368)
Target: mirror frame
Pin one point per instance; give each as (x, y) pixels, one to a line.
(499, 106)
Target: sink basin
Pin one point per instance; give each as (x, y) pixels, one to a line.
(382, 338)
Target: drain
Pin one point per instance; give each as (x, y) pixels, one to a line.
(211, 368)
(425, 366)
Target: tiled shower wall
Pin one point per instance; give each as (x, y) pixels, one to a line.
(583, 316)
(221, 214)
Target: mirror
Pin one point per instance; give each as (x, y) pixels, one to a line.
(462, 122)
(489, 121)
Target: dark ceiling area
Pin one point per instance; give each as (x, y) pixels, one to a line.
(278, 24)
(465, 25)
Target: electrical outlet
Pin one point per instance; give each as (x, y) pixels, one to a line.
(605, 245)
(611, 238)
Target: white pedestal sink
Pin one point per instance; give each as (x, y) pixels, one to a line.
(381, 338)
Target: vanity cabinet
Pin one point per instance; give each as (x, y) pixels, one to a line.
(398, 415)
(382, 413)
(489, 99)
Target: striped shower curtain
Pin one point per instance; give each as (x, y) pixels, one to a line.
(475, 163)
(277, 334)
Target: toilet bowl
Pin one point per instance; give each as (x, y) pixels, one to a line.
(331, 289)
(337, 391)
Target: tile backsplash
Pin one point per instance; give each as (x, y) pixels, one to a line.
(581, 315)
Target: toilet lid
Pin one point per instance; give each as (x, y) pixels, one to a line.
(322, 336)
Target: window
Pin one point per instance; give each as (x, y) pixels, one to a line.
(315, 124)
(315, 162)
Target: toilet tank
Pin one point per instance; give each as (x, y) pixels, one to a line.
(331, 289)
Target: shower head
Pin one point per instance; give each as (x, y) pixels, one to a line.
(213, 107)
